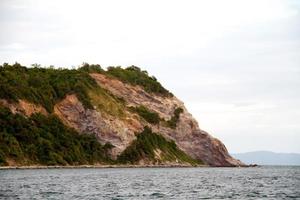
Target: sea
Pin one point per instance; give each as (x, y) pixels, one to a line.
(265, 182)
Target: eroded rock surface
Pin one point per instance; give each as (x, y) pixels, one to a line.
(187, 135)
(23, 107)
(120, 131)
(107, 128)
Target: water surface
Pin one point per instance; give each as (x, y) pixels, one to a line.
(152, 183)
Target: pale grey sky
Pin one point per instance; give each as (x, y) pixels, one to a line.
(235, 63)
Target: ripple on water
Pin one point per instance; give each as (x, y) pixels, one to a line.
(157, 195)
(166, 183)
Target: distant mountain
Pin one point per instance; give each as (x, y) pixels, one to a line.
(268, 158)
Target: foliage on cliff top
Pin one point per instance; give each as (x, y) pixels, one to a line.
(45, 140)
(47, 86)
(44, 86)
(147, 143)
(132, 75)
(135, 76)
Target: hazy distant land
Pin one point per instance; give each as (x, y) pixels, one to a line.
(268, 158)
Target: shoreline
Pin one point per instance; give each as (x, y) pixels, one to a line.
(97, 166)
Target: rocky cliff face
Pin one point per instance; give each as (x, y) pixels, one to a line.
(120, 131)
(187, 134)
(112, 120)
(23, 107)
(107, 128)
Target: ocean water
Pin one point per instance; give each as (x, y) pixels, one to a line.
(152, 183)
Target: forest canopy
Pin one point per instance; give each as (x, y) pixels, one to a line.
(47, 86)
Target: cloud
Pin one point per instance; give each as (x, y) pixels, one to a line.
(234, 63)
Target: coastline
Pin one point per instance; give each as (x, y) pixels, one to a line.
(98, 166)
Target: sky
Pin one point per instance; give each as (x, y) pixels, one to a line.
(234, 63)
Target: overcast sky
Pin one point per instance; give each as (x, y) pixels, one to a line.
(235, 64)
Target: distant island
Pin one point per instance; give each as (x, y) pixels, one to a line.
(268, 158)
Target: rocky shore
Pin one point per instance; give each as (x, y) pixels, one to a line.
(98, 166)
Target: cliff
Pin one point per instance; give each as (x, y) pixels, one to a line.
(131, 116)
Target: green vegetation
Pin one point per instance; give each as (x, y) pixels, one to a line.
(151, 117)
(45, 140)
(40, 139)
(47, 86)
(132, 75)
(172, 123)
(44, 86)
(147, 143)
(103, 100)
(91, 68)
(135, 76)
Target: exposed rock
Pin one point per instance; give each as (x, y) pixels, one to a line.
(107, 128)
(23, 107)
(120, 131)
(187, 135)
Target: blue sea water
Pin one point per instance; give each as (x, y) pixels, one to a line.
(152, 183)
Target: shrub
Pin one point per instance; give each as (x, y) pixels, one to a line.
(44, 86)
(135, 76)
(91, 68)
(2, 158)
(149, 116)
(47, 86)
(46, 140)
(145, 145)
(172, 123)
